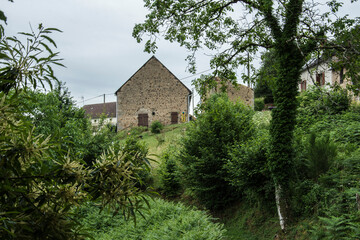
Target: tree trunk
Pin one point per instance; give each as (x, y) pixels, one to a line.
(280, 207)
(282, 126)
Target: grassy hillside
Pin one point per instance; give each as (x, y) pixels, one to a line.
(157, 143)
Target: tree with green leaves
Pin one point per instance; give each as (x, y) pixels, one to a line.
(294, 29)
(28, 64)
(55, 113)
(265, 77)
(41, 181)
(205, 150)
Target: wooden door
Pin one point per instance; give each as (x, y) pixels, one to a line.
(143, 120)
(174, 118)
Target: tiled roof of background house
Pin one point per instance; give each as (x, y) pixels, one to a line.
(95, 110)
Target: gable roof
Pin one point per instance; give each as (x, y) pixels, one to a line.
(153, 57)
(316, 62)
(95, 110)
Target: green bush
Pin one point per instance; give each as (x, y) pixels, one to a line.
(205, 150)
(247, 168)
(306, 197)
(345, 227)
(320, 154)
(169, 173)
(315, 103)
(156, 127)
(259, 104)
(164, 220)
(333, 199)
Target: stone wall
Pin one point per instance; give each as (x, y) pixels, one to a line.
(240, 93)
(152, 90)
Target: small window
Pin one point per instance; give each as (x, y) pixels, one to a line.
(320, 79)
(303, 86)
(342, 75)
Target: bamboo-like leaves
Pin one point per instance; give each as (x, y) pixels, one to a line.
(38, 189)
(31, 60)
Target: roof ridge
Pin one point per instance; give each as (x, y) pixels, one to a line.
(153, 57)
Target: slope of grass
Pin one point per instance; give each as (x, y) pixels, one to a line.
(157, 143)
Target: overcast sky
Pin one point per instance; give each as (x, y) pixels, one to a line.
(99, 51)
(97, 44)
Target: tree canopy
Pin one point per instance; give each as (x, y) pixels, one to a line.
(234, 28)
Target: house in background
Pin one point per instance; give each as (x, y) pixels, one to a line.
(236, 93)
(320, 73)
(95, 112)
(152, 93)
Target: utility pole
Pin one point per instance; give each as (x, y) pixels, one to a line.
(248, 65)
(104, 108)
(193, 102)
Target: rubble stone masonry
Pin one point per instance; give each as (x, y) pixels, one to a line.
(152, 90)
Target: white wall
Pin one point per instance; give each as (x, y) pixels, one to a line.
(309, 75)
(95, 121)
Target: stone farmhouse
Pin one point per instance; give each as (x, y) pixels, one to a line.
(95, 112)
(320, 72)
(152, 93)
(240, 92)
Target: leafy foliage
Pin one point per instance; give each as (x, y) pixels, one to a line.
(316, 102)
(38, 190)
(259, 104)
(30, 63)
(164, 220)
(205, 150)
(347, 35)
(321, 153)
(156, 127)
(170, 172)
(340, 216)
(247, 168)
(266, 77)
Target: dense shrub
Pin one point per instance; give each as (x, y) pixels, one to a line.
(317, 102)
(55, 113)
(259, 104)
(328, 163)
(164, 220)
(306, 197)
(339, 216)
(320, 154)
(156, 127)
(169, 172)
(205, 150)
(247, 168)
